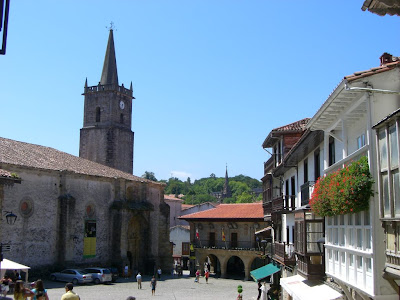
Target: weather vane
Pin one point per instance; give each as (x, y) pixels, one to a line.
(111, 27)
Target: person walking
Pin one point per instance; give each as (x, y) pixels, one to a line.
(39, 292)
(259, 290)
(139, 280)
(69, 294)
(159, 273)
(153, 284)
(206, 275)
(21, 292)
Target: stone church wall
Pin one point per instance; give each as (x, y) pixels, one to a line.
(53, 206)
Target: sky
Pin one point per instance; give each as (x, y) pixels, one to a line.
(211, 78)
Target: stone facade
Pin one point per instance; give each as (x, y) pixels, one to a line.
(71, 217)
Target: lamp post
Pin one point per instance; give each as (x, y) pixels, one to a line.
(11, 218)
(264, 246)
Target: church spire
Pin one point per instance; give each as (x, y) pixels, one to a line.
(226, 193)
(109, 74)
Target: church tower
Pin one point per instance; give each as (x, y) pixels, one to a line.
(106, 136)
(226, 192)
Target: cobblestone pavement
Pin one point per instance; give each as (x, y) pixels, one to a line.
(183, 288)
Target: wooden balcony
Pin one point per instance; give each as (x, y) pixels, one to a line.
(284, 253)
(283, 204)
(311, 267)
(267, 206)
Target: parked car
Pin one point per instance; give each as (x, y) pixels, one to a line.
(114, 274)
(99, 275)
(72, 275)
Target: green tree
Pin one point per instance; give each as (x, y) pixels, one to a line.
(149, 175)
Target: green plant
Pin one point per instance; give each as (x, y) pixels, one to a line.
(345, 191)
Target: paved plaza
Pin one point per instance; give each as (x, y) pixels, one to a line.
(183, 288)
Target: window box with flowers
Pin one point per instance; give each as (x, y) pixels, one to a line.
(345, 191)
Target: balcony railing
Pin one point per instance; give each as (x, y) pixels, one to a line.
(267, 206)
(284, 252)
(237, 245)
(306, 191)
(283, 204)
(311, 267)
(353, 156)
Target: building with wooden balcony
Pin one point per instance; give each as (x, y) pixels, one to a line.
(225, 237)
(279, 195)
(353, 241)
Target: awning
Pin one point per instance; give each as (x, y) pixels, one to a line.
(263, 272)
(301, 289)
(7, 264)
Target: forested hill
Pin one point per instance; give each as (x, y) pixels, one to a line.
(242, 188)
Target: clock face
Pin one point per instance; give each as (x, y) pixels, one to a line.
(122, 105)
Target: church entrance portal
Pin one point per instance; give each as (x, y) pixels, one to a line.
(135, 251)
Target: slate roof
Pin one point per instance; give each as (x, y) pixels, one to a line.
(186, 206)
(46, 158)
(229, 211)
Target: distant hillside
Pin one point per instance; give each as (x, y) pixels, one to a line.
(242, 187)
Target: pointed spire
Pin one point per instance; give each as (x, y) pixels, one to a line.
(85, 89)
(131, 88)
(226, 193)
(109, 74)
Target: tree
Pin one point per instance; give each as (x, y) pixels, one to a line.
(212, 175)
(149, 175)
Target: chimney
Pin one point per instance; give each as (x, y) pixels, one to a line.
(386, 58)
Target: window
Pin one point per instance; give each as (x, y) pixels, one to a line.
(234, 240)
(317, 165)
(305, 171)
(331, 151)
(212, 239)
(389, 170)
(98, 114)
(185, 249)
(361, 141)
(121, 118)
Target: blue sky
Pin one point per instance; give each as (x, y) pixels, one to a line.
(211, 78)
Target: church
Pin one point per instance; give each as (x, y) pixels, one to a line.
(88, 210)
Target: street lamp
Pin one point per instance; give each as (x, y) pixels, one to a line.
(264, 246)
(10, 217)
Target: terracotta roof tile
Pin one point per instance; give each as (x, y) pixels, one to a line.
(372, 71)
(230, 211)
(295, 126)
(40, 157)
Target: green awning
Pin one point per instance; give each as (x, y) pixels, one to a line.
(263, 272)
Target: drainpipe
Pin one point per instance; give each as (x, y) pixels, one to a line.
(369, 90)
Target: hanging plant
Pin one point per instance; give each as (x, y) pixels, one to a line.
(345, 191)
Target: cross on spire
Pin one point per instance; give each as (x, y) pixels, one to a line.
(111, 27)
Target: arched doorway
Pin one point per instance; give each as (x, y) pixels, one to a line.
(235, 268)
(257, 263)
(214, 264)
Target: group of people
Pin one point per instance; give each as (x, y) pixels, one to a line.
(38, 292)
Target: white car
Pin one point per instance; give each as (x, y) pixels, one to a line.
(99, 275)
